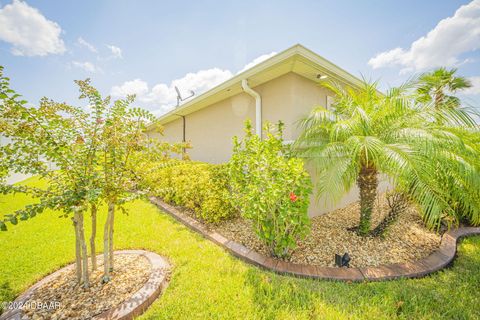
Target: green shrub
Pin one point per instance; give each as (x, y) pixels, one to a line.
(198, 186)
(270, 188)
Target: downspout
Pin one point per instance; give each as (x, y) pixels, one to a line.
(184, 150)
(183, 130)
(258, 107)
(183, 126)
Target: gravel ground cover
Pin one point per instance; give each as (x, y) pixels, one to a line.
(130, 274)
(406, 239)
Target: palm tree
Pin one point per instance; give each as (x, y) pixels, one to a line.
(433, 86)
(367, 134)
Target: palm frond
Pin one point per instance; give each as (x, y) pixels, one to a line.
(430, 153)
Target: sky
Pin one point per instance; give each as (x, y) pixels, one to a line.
(148, 47)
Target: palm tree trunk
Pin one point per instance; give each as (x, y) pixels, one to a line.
(93, 251)
(367, 183)
(438, 96)
(438, 100)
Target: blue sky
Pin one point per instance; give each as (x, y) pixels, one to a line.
(146, 47)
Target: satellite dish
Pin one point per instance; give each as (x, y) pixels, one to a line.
(179, 96)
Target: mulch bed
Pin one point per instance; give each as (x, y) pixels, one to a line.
(131, 273)
(406, 239)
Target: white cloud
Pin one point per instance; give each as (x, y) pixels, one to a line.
(202, 80)
(84, 43)
(116, 51)
(257, 61)
(87, 66)
(28, 31)
(442, 46)
(162, 97)
(475, 88)
(137, 86)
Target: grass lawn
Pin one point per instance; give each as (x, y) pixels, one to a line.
(208, 283)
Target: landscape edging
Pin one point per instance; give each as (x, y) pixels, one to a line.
(127, 310)
(439, 259)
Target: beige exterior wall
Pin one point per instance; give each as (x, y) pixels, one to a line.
(287, 98)
(210, 130)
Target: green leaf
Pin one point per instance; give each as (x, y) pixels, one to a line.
(14, 220)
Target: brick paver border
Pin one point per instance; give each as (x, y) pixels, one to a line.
(130, 308)
(434, 262)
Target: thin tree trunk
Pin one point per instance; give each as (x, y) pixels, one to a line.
(367, 183)
(106, 248)
(78, 253)
(86, 280)
(111, 207)
(93, 251)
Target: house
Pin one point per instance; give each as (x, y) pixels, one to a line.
(285, 87)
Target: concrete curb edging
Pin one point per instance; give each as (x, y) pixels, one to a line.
(129, 309)
(434, 262)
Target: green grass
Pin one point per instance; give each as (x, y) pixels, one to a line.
(208, 283)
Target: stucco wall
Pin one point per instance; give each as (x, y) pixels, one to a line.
(210, 130)
(288, 98)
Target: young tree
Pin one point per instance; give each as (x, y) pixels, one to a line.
(366, 134)
(83, 153)
(59, 143)
(95, 128)
(123, 135)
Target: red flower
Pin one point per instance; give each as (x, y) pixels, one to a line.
(293, 197)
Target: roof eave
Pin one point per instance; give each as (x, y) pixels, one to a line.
(284, 56)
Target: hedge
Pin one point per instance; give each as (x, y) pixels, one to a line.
(201, 187)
